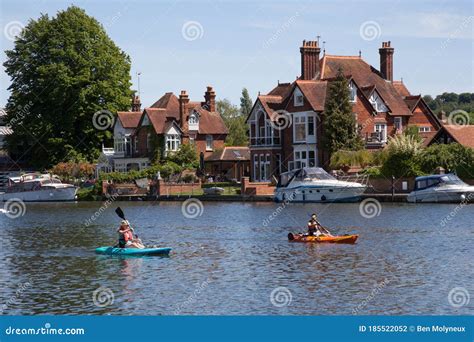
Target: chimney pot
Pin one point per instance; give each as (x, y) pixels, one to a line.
(386, 61)
(309, 60)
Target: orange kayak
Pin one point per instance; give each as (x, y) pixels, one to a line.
(323, 239)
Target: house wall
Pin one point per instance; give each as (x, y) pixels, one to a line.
(422, 117)
(200, 143)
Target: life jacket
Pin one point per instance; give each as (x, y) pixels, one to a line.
(128, 236)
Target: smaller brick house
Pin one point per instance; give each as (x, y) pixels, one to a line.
(172, 121)
(162, 128)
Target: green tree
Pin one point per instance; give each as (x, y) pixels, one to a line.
(235, 123)
(452, 157)
(64, 70)
(246, 103)
(338, 122)
(186, 156)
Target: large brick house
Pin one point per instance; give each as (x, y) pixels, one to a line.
(163, 127)
(381, 106)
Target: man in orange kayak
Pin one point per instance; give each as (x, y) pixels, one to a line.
(315, 228)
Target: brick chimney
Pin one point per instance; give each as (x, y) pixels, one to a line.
(209, 99)
(310, 60)
(136, 104)
(386, 61)
(183, 110)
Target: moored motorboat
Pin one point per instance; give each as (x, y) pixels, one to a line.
(298, 237)
(444, 188)
(34, 187)
(313, 184)
(133, 251)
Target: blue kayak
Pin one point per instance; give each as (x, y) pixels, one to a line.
(133, 251)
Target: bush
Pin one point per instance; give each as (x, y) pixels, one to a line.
(343, 158)
(452, 157)
(401, 157)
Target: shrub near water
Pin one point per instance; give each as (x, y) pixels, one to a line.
(453, 157)
(401, 157)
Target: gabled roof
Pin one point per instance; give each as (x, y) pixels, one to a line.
(401, 88)
(282, 89)
(166, 110)
(170, 102)
(365, 76)
(129, 119)
(270, 104)
(412, 101)
(230, 153)
(314, 92)
(463, 134)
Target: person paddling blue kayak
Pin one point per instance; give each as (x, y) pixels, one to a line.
(126, 238)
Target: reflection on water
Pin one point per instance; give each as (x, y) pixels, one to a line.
(228, 262)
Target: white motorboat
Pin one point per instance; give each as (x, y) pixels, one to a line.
(447, 188)
(313, 184)
(33, 187)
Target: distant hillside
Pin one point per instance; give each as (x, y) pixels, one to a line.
(449, 102)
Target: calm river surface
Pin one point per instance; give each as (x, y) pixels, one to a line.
(227, 261)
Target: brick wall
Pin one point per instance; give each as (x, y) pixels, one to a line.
(256, 188)
(162, 188)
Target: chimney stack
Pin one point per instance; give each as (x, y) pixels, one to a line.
(210, 99)
(183, 109)
(136, 104)
(386, 61)
(310, 60)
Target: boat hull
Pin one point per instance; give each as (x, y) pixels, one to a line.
(440, 196)
(42, 195)
(133, 251)
(319, 194)
(323, 239)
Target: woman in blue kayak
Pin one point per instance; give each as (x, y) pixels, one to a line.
(126, 239)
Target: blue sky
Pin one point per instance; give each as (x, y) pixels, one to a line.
(233, 44)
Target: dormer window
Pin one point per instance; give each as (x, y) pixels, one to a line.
(298, 98)
(193, 121)
(352, 92)
(377, 103)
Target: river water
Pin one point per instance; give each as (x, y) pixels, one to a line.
(233, 259)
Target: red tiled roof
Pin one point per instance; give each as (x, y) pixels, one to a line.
(401, 88)
(270, 104)
(314, 92)
(231, 153)
(463, 134)
(166, 109)
(365, 76)
(412, 101)
(129, 119)
(282, 89)
(170, 102)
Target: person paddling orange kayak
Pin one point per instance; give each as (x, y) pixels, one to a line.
(315, 228)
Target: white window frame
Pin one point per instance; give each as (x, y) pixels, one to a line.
(148, 142)
(377, 103)
(353, 92)
(300, 119)
(255, 167)
(172, 142)
(209, 142)
(424, 129)
(377, 127)
(298, 98)
(398, 123)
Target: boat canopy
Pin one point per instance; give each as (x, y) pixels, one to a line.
(434, 180)
(306, 173)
